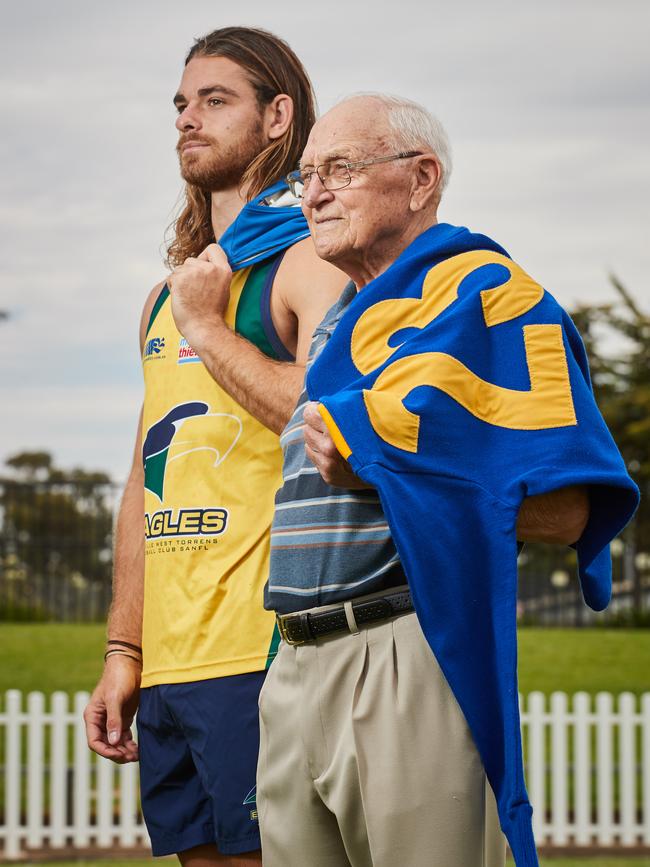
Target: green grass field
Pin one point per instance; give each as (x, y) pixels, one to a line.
(48, 657)
(592, 660)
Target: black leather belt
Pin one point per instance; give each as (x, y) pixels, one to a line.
(307, 626)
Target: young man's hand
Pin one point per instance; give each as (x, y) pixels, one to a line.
(111, 709)
(200, 292)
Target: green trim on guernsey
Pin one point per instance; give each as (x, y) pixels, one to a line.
(248, 321)
(273, 647)
(164, 295)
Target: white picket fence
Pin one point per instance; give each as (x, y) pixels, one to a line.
(56, 792)
(588, 775)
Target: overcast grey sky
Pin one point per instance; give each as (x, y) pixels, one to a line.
(546, 105)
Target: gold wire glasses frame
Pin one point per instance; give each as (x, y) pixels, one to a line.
(335, 175)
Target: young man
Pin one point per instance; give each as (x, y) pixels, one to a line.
(224, 342)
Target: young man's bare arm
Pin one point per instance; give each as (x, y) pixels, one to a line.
(267, 389)
(305, 288)
(125, 615)
(111, 708)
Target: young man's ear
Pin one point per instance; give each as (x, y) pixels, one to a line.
(278, 116)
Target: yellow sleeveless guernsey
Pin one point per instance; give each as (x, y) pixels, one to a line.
(211, 472)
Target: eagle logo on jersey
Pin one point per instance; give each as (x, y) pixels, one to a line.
(187, 429)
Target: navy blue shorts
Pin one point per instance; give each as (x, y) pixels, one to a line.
(198, 746)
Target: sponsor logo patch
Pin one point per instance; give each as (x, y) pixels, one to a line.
(153, 348)
(185, 352)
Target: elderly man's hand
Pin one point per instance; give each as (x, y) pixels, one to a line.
(200, 292)
(322, 452)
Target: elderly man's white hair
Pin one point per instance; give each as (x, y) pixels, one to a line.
(414, 128)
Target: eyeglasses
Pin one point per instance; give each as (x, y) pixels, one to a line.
(335, 174)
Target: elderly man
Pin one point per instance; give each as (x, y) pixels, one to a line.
(442, 435)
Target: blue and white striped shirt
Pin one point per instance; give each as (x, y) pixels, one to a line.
(327, 544)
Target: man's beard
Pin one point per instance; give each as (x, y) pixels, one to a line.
(217, 169)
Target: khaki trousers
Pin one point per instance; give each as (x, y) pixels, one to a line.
(366, 759)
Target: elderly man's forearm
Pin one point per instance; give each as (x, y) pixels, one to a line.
(558, 517)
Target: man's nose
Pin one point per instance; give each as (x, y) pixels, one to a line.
(188, 120)
(315, 192)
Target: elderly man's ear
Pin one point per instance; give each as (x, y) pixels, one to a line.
(425, 183)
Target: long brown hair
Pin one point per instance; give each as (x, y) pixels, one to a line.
(273, 68)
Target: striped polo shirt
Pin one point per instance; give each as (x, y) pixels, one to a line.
(327, 544)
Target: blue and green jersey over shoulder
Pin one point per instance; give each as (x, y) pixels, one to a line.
(457, 386)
